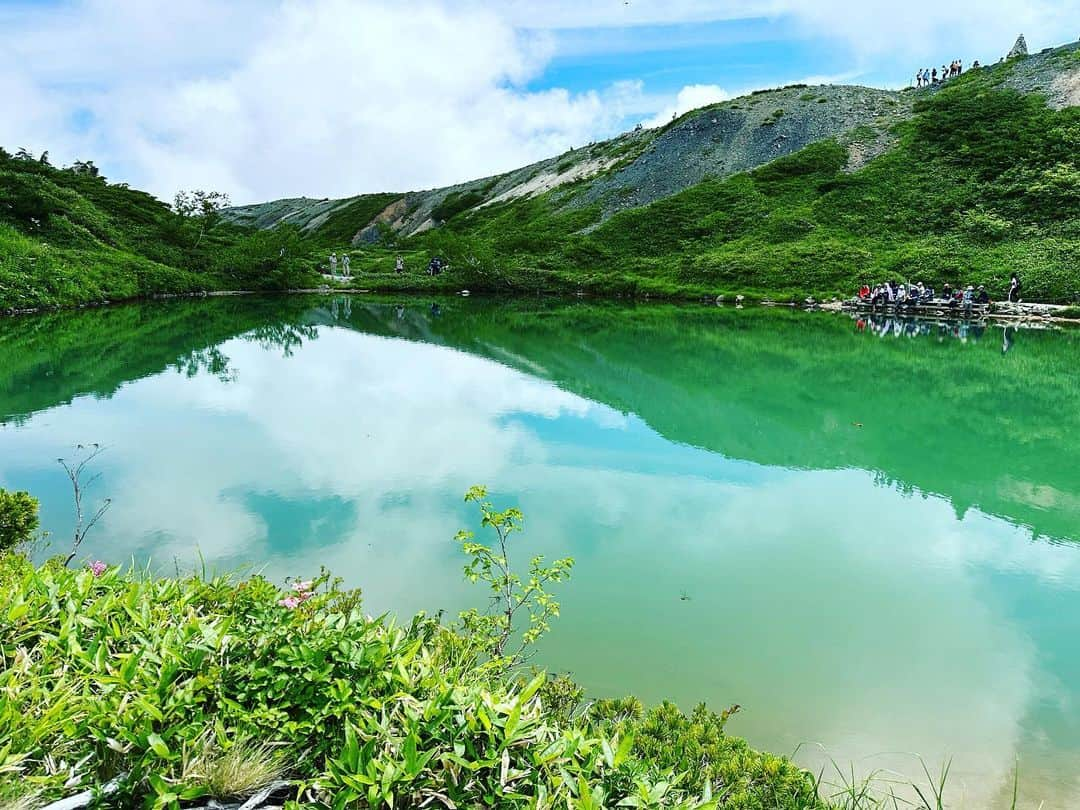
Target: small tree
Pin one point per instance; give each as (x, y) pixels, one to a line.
(511, 595)
(201, 207)
(75, 472)
(85, 167)
(18, 518)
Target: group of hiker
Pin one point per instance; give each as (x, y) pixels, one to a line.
(345, 271)
(901, 294)
(927, 77)
(436, 266)
(894, 294)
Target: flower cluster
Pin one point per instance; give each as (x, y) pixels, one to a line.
(303, 593)
(97, 568)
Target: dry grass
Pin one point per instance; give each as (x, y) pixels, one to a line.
(241, 770)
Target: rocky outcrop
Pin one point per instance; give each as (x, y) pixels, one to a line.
(742, 134)
(1019, 49)
(393, 216)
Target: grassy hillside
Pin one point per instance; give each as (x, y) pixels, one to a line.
(983, 180)
(70, 238)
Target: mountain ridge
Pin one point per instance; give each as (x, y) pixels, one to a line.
(628, 170)
(642, 166)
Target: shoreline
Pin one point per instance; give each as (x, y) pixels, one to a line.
(1039, 313)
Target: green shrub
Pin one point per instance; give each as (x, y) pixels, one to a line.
(18, 518)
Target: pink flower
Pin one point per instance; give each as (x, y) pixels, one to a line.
(290, 602)
(303, 587)
(97, 567)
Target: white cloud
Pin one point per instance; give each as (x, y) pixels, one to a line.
(329, 97)
(966, 29)
(689, 98)
(271, 98)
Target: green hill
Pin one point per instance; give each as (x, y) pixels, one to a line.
(67, 236)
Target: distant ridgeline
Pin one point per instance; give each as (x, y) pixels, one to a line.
(788, 192)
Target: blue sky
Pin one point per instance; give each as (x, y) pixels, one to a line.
(273, 98)
(738, 53)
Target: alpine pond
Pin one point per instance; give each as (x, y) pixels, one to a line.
(866, 535)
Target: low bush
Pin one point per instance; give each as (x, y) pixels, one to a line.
(164, 684)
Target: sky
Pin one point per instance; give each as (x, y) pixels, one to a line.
(264, 99)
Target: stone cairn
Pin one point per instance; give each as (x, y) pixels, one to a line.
(1019, 49)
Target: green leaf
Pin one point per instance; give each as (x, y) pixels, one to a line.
(158, 745)
(626, 744)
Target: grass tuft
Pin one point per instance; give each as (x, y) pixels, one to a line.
(236, 772)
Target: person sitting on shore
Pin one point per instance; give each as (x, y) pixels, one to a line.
(983, 297)
(968, 298)
(864, 292)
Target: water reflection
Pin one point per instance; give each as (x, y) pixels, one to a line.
(865, 554)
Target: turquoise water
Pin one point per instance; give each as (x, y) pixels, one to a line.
(866, 537)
